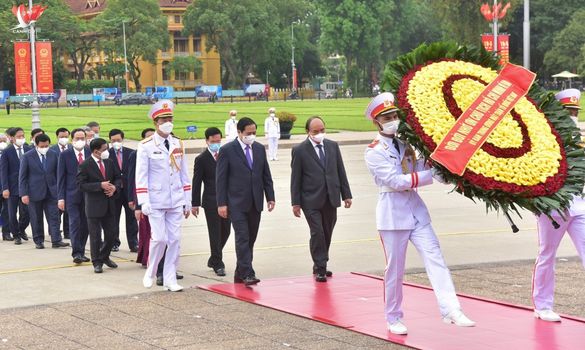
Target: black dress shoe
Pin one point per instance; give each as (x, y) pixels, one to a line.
(134, 250)
(85, 259)
(159, 280)
(40, 246)
(238, 280)
(327, 273)
(109, 263)
(220, 272)
(77, 260)
(98, 268)
(251, 280)
(179, 276)
(24, 236)
(321, 277)
(7, 238)
(60, 244)
(115, 248)
(17, 241)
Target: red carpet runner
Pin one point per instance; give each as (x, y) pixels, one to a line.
(355, 302)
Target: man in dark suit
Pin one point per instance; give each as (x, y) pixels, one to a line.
(318, 181)
(120, 156)
(100, 183)
(38, 189)
(242, 179)
(61, 146)
(70, 199)
(204, 173)
(6, 236)
(9, 168)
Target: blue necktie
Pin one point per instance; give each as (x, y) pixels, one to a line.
(321, 155)
(43, 162)
(249, 157)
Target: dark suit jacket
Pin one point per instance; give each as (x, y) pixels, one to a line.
(35, 181)
(204, 172)
(10, 167)
(238, 186)
(89, 180)
(126, 153)
(57, 148)
(67, 176)
(311, 184)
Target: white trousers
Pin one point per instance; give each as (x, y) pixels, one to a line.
(549, 238)
(272, 147)
(424, 239)
(165, 225)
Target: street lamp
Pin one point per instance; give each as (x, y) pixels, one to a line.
(36, 113)
(125, 57)
(292, 43)
(526, 30)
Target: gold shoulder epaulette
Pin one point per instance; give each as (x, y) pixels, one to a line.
(148, 139)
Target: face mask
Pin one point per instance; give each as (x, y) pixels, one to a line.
(43, 150)
(575, 120)
(19, 142)
(96, 136)
(166, 128)
(79, 144)
(248, 139)
(63, 141)
(88, 141)
(3, 146)
(214, 147)
(105, 155)
(233, 117)
(390, 128)
(117, 145)
(272, 115)
(319, 137)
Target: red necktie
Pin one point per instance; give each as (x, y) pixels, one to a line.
(79, 158)
(62, 148)
(120, 159)
(215, 155)
(102, 169)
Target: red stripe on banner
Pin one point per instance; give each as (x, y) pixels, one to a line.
(22, 68)
(479, 120)
(44, 59)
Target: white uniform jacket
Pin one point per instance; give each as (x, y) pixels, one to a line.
(399, 205)
(231, 129)
(271, 128)
(162, 179)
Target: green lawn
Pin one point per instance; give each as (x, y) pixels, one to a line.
(338, 115)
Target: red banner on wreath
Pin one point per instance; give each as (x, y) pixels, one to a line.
(44, 65)
(487, 41)
(22, 67)
(479, 120)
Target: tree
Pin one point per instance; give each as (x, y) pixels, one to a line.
(246, 33)
(568, 50)
(186, 65)
(146, 32)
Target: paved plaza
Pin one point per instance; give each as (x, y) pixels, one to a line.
(48, 303)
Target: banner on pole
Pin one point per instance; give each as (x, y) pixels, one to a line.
(479, 120)
(294, 79)
(487, 41)
(44, 59)
(22, 68)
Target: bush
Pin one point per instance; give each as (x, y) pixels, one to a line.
(87, 85)
(286, 117)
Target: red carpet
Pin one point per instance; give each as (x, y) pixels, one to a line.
(355, 302)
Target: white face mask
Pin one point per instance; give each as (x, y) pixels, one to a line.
(575, 120)
(233, 117)
(79, 144)
(117, 145)
(248, 139)
(43, 150)
(390, 128)
(96, 136)
(3, 145)
(19, 142)
(319, 137)
(63, 141)
(105, 154)
(166, 128)
(272, 115)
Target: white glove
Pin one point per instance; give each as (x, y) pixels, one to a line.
(146, 209)
(187, 207)
(437, 176)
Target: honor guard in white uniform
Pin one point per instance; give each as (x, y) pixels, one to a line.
(549, 238)
(163, 189)
(231, 129)
(402, 216)
(272, 133)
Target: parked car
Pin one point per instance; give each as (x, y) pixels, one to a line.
(134, 99)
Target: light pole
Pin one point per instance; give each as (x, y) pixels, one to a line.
(495, 28)
(125, 56)
(292, 43)
(526, 30)
(36, 113)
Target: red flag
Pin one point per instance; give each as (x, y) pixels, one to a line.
(22, 67)
(44, 65)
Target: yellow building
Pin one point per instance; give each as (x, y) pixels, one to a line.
(159, 74)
